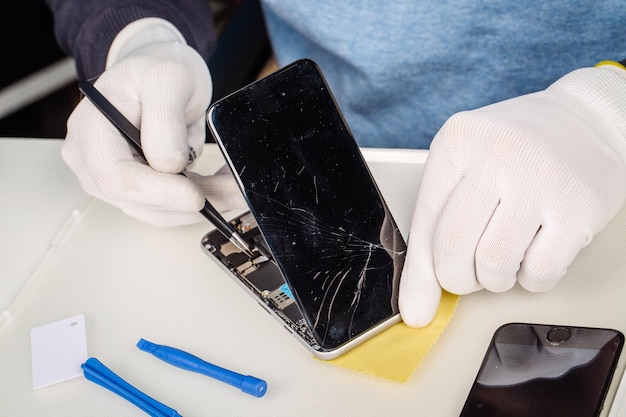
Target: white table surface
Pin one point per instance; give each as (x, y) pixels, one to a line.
(132, 280)
(38, 194)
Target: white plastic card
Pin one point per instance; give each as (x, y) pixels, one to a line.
(58, 349)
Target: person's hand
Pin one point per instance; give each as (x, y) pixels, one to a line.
(513, 191)
(164, 88)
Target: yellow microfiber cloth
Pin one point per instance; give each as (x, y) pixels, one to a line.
(395, 353)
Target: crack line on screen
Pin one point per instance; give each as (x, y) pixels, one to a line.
(288, 224)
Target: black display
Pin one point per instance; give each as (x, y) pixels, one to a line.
(541, 370)
(315, 202)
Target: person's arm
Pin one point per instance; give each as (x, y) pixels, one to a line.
(85, 29)
(148, 58)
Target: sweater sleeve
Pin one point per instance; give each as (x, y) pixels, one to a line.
(85, 29)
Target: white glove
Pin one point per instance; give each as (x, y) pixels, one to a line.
(163, 87)
(513, 191)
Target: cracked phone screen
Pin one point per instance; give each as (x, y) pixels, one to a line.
(316, 204)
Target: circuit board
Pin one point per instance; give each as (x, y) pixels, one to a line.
(260, 275)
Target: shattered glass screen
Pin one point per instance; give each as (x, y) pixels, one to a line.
(315, 201)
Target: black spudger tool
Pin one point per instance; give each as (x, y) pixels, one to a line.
(132, 135)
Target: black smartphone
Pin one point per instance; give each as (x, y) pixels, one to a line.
(321, 217)
(545, 370)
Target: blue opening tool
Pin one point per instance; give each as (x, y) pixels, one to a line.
(248, 384)
(95, 371)
(133, 137)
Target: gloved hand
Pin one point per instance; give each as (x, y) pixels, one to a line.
(513, 191)
(163, 87)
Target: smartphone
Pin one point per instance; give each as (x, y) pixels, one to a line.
(316, 211)
(618, 407)
(545, 370)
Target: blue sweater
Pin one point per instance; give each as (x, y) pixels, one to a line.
(398, 69)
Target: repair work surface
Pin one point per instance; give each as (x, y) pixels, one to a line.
(169, 291)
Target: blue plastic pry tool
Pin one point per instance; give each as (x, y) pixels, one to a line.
(248, 384)
(96, 372)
